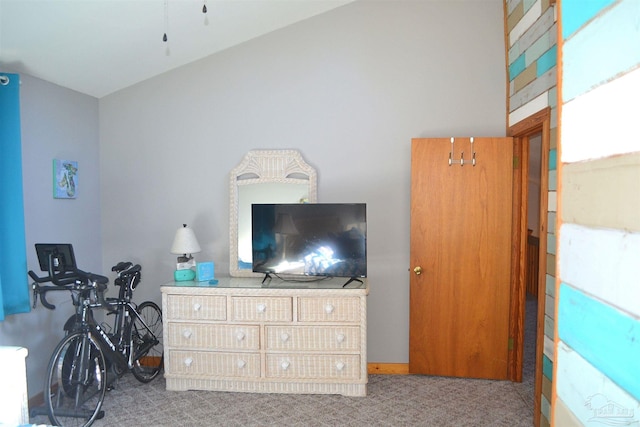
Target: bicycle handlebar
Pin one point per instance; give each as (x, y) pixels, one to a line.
(77, 280)
(42, 291)
(62, 279)
(68, 281)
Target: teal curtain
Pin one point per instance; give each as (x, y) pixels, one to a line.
(14, 284)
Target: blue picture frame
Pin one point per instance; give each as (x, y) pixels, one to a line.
(65, 179)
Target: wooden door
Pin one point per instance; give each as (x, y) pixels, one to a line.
(460, 256)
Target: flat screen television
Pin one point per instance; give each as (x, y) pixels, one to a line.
(310, 239)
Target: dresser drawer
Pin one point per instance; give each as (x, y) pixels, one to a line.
(218, 337)
(209, 364)
(319, 366)
(196, 307)
(262, 309)
(329, 309)
(312, 338)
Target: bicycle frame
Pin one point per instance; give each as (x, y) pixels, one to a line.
(94, 354)
(119, 351)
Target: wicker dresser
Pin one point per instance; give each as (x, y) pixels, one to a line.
(242, 336)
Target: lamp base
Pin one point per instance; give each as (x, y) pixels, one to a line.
(184, 275)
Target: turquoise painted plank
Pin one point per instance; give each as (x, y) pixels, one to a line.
(553, 159)
(575, 13)
(606, 48)
(547, 61)
(602, 335)
(537, 49)
(517, 67)
(547, 367)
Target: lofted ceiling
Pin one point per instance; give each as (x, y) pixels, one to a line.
(98, 47)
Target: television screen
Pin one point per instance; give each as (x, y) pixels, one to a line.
(317, 239)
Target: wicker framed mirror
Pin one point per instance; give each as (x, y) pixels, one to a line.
(263, 176)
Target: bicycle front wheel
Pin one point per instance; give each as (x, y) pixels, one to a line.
(146, 342)
(76, 381)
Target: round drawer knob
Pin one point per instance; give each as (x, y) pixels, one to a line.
(188, 361)
(196, 307)
(285, 365)
(241, 364)
(328, 308)
(340, 366)
(187, 333)
(340, 338)
(284, 337)
(261, 308)
(240, 335)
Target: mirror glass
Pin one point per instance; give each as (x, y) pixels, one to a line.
(264, 176)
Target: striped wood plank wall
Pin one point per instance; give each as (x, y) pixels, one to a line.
(597, 372)
(532, 68)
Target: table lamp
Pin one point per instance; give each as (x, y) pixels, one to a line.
(185, 244)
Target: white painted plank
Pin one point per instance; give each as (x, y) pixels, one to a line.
(548, 348)
(603, 122)
(526, 22)
(536, 104)
(589, 394)
(552, 201)
(602, 262)
(551, 243)
(550, 285)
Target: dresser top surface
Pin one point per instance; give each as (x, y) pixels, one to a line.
(249, 283)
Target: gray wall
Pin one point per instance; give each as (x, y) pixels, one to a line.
(57, 123)
(349, 89)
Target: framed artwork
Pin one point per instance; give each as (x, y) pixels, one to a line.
(65, 179)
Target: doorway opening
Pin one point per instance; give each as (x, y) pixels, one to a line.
(530, 224)
(533, 144)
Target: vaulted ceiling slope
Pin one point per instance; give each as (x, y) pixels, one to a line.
(98, 47)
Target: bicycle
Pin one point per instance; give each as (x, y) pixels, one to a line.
(90, 358)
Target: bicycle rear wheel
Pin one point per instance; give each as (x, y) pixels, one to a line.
(146, 342)
(76, 381)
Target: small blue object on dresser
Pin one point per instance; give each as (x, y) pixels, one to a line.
(204, 271)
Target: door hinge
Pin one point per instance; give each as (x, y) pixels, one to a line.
(516, 162)
(510, 344)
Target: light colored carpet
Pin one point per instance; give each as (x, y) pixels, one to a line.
(392, 400)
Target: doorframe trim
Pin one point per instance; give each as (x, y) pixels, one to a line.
(521, 131)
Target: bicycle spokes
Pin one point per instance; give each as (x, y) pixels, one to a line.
(146, 342)
(77, 382)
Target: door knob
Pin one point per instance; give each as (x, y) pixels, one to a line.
(418, 270)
